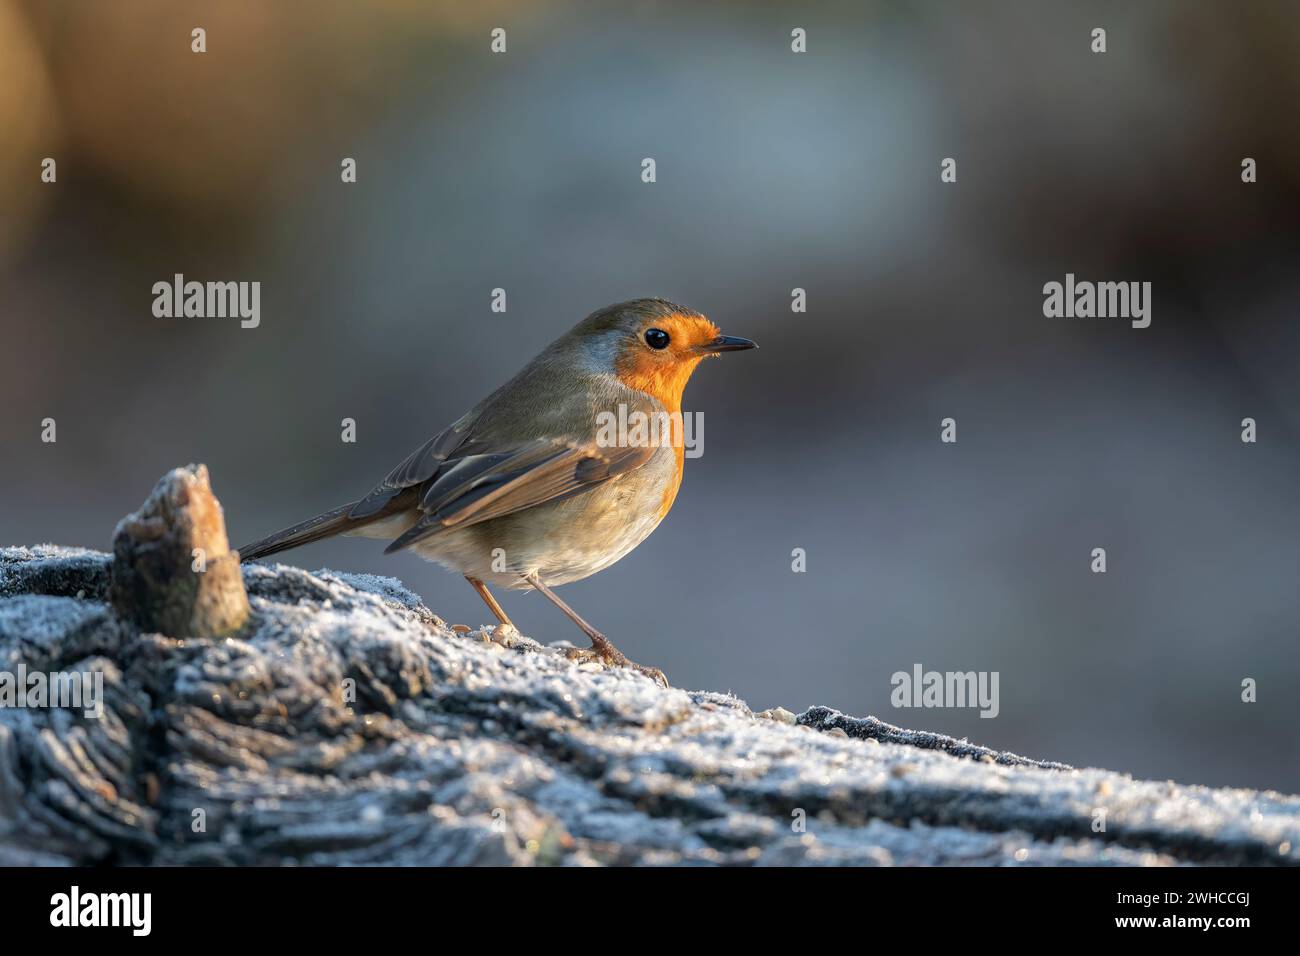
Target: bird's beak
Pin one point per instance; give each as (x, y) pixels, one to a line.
(726, 343)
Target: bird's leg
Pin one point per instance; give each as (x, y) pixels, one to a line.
(602, 649)
(497, 610)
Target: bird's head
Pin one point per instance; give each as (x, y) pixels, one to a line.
(652, 345)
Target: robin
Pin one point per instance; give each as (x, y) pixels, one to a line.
(531, 488)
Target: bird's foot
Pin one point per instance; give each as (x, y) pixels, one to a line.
(606, 653)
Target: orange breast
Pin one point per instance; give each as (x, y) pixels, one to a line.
(664, 380)
(663, 376)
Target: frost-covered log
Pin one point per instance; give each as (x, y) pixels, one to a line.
(346, 723)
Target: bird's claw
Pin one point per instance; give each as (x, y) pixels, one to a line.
(611, 657)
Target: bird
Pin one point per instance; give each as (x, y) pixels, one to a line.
(535, 487)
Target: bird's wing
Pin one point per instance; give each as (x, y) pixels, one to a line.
(419, 467)
(486, 484)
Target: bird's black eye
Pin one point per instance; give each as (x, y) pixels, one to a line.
(656, 338)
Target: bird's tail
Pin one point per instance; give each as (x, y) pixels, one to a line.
(327, 525)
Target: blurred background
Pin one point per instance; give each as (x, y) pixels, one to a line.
(775, 171)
